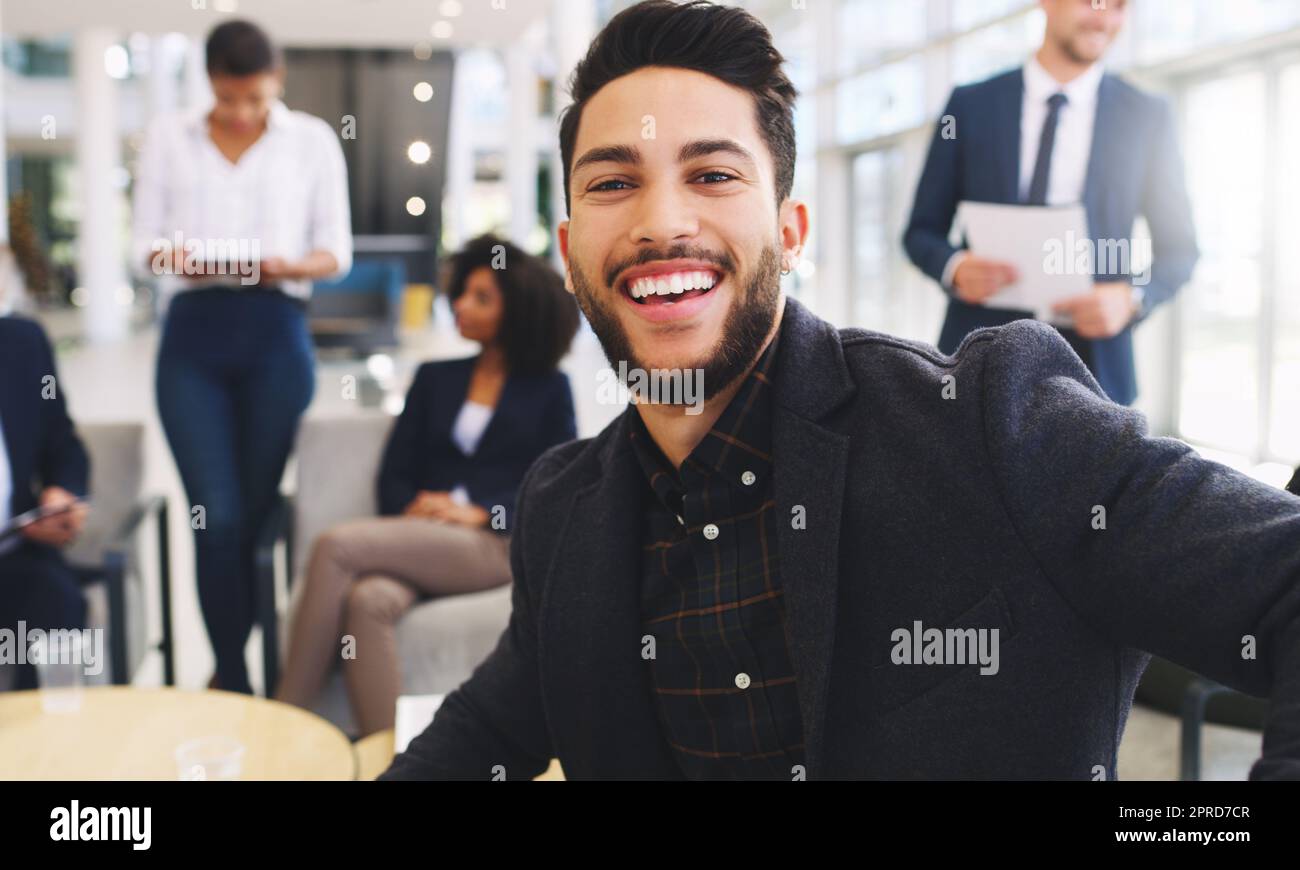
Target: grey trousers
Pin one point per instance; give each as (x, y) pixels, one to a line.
(362, 577)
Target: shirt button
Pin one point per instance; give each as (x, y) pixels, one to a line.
(742, 681)
(711, 531)
(748, 478)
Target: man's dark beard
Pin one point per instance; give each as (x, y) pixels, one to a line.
(743, 332)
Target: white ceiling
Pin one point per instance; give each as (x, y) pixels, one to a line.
(340, 23)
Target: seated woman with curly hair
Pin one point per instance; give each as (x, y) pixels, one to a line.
(447, 483)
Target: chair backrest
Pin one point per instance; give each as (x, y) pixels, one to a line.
(338, 460)
(116, 453)
(374, 287)
(116, 480)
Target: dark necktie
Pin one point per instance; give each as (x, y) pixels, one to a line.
(1043, 165)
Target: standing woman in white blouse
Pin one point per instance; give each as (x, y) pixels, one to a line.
(237, 210)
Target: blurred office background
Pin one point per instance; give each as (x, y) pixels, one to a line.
(447, 108)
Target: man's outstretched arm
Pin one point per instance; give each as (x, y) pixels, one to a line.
(1152, 545)
(494, 723)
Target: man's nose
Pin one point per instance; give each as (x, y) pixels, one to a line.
(665, 214)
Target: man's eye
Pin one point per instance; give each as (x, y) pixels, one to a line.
(602, 186)
(722, 176)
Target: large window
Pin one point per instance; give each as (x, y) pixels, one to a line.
(1167, 29)
(1284, 434)
(1221, 308)
(874, 293)
(869, 29)
(1239, 383)
(883, 101)
(997, 47)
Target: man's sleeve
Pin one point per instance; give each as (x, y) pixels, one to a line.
(1152, 545)
(494, 723)
(331, 216)
(1168, 211)
(63, 460)
(935, 203)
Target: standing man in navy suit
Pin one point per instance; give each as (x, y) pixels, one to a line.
(1059, 131)
(42, 462)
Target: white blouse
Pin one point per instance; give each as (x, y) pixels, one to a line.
(285, 197)
(467, 431)
(470, 424)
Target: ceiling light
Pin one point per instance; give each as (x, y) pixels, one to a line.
(419, 152)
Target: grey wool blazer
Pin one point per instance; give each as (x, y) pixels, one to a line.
(996, 489)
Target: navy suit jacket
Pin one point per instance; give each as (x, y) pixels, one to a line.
(39, 437)
(973, 511)
(534, 412)
(1135, 168)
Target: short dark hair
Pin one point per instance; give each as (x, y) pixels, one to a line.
(240, 48)
(540, 317)
(725, 42)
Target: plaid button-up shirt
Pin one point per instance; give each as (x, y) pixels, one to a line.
(711, 596)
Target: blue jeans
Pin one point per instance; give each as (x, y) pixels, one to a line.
(235, 373)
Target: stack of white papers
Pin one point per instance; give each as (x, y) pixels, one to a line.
(1041, 242)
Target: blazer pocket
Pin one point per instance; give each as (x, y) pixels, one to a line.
(894, 685)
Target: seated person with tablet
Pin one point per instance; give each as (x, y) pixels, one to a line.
(43, 475)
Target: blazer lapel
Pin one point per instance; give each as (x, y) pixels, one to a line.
(809, 473)
(597, 682)
(450, 392)
(810, 465)
(505, 406)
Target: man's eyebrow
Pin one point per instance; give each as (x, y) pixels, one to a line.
(705, 147)
(609, 154)
(629, 154)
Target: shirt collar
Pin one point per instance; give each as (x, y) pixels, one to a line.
(1080, 91)
(740, 440)
(278, 117)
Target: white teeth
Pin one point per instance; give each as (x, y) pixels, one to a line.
(677, 282)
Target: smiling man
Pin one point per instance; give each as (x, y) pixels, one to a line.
(733, 594)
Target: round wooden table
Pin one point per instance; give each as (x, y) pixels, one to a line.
(126, 733)
(374, 754)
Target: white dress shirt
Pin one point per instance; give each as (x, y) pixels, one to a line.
(1072, 147)
(286, 196)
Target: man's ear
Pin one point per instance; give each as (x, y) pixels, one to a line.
(562, 232)
(794, 225)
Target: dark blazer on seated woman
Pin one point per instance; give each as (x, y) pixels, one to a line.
(534, 412)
